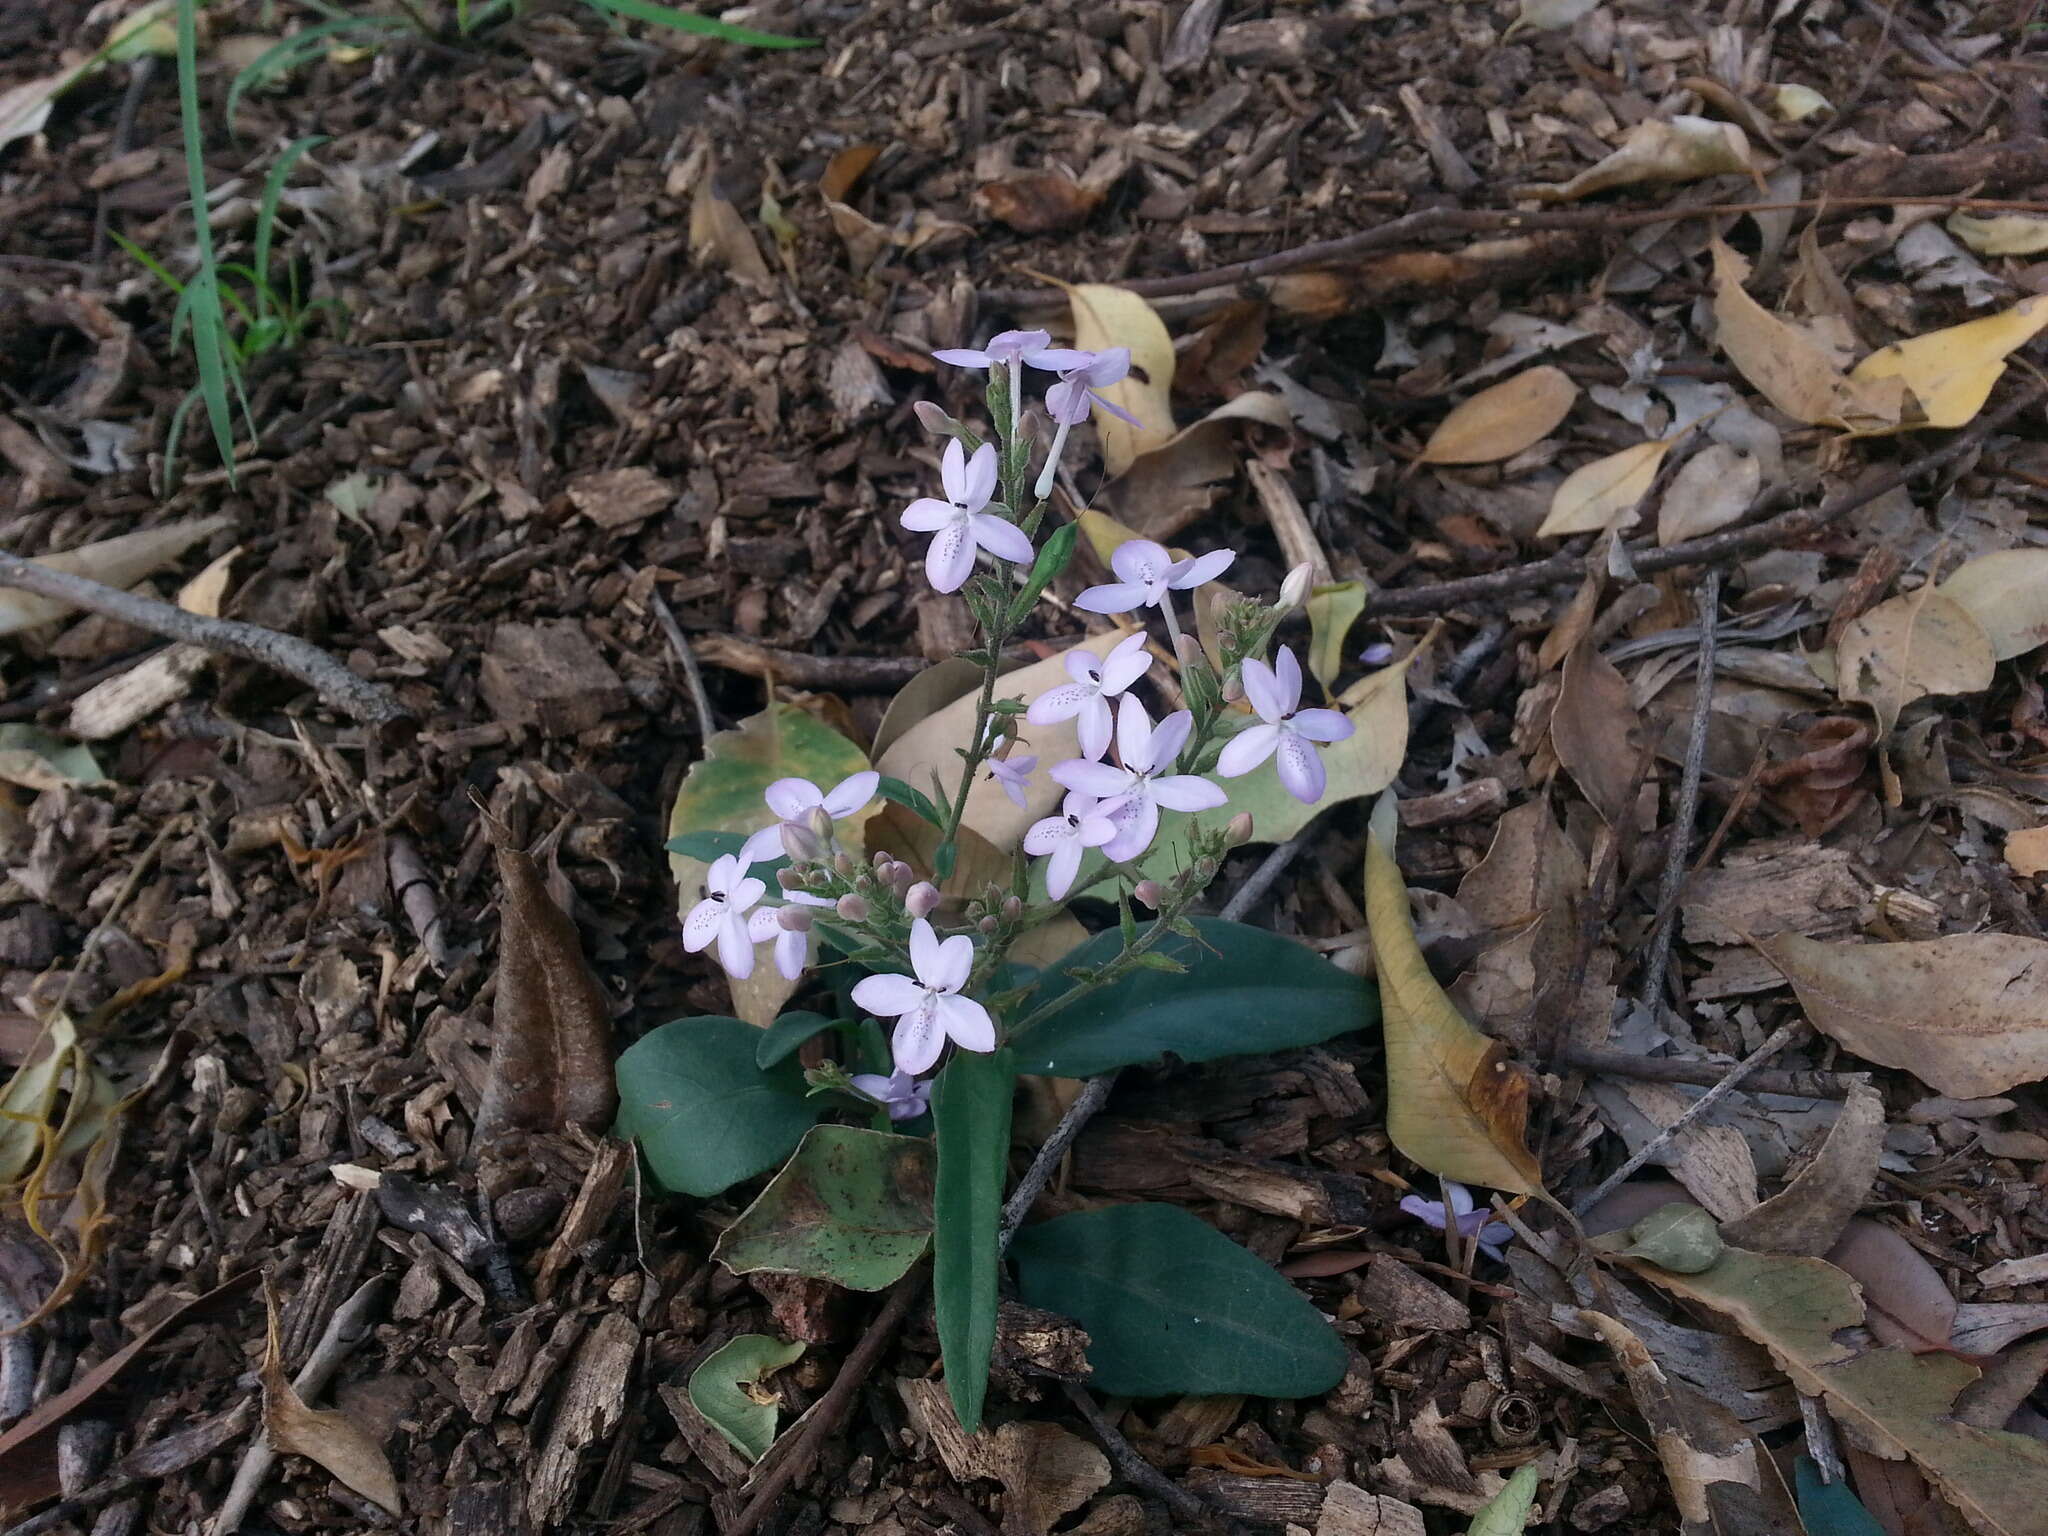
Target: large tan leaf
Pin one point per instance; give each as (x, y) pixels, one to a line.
(119, 562)
(1950, 372)
(1604, 494)
(1684, 149)
(1713, 489)
(2007, 594)
(1966, 1013)
(1787, 366)
(1454, 1104)
(1107, 316)
(1526, 890)
(1908, 648)
(1596, 732)
(1897, 1402)
(1499, 422)
(1167, 487)
(332, 1439)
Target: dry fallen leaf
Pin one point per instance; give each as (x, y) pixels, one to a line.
(1908, 648)
(2001, 234)
(1167, 487)
(1106, 316)
(1040, 202)
(1605, 493)
(1793, 103)
(119, 562)
(1454, 1104)
(1712, 489)
(1787, 366)
(1951, 372)
(1808, 1215)
(719, 235)
(2007, 594)
(1525, 891)
(1499, 422)
(2027, 851)
(1684, 149)
(1966, 1013)
(1596, 732)
(333, 1440)
(1547, 15)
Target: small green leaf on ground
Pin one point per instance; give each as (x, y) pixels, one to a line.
(725, 1389)
(703, 1113)
(853, 1207)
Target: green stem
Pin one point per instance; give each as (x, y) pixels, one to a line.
(1118, 968)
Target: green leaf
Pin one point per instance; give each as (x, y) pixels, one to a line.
(1171, 1305)
(1245, 991)
(1052, 559)
(702, 26)
(718, 1390)
(914, 801)
(1332, 610)
(971, 1112)
(1830, 1509)
(33, 758)
(703, 1113)
(853, 1207)
(782, 1039)
(1507, 1512)
(211, 348)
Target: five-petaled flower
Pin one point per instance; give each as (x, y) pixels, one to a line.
(1132, 795)
(1014, 774)
(1060, 839)
(793, 800)
(929, 1009)
(1081, 383)
(958, 525)
(1146, 573)
(1283, 728)
(1086, 699)
(1472, 1225)
(728, 917)
(1008, 348)
(903, 1095)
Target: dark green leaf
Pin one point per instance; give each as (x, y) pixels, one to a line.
(912, 800)
(1245, 991)
(781, 1039)
(1830, 1509)
(718, 1390)
(1052, 559)
(971, 1113)
(703, 26)
(943, 860)
(704, 1114)
(853, 1207)
(706, 847)
(1171, 1305)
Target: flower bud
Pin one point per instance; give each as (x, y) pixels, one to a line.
(843, 862)
(853, 908)
(901, 876)
(1150, 892)
(883, 858)
(799, 844)
(1294, 590)
(1189, 649)
(820, 823)
(922, 899)
(795, 919)
(1233, 690)
(933, 419)
(1013, 908)
(1205, 871)
(1239, 831)
(790, 879)
(865, 883)
(988, 925)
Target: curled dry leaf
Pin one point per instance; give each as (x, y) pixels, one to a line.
(1454, 1104)
(1908, 648)
(1684, 149)
(2001, 234)
(1107, 316)
(119, 562)
(1040, 202)
(332, 1439)
(1547, 16)
(1596, 732)
(1787, 366)
(1526, 891)
(727, 1390)
(1605, 493)
(1499, 422)
(1950, 372)
(1967, 1013)
(718, 235)
(1808, 1215)
(2007, 594)
(1714, 488)
(1167, 487)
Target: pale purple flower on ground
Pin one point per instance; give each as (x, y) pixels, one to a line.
(1068, 401)
(1146, 573)
(958, 525)
(721, 918)
(793, 800)
(1032, 347)
(1059, 840)
(1473, 1225)
(928, 1009)
(1086, 699)
(1284, 729)
(1014, 774)
(1378, 654)
(900, 1093)
(1133, 794)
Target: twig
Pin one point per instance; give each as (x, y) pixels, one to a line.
(355, 697)
(1136, 1470)
(707, 721)
(1715, 548)
(1704, 1074)
(832, 1407)
(849, 674)
(1093, 1095)
(1780, 1038)
(1687, 808)
(144, 862)
(1271, 868)
(33, 703)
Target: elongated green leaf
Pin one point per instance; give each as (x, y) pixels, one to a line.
(853, 1207)
(1172, 1305)
(971, 1111)
(915, 801)
(1052, 559)
(1507, 1512)
(703, 26)
(703, 1113)
(718, 1390)
(210, 345)
(786, 1036)
(1244, 991)
(1332, 610)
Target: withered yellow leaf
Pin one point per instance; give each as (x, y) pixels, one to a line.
(1500, 422)
(2002, 234)
(1950, 372)
(1714, 488)
(1684, 149)
(2006, 592)
(1106, 316)
(1605, 493)
(1908, 648)
(1787, 366)
(1454, 1104)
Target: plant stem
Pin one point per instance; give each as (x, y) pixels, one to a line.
(1116, 970)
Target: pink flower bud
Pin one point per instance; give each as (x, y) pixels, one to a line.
(1189, 649)
(1233, 690)
(901, 876)
(789, 879)
(883, 858)
(933, 419)
(1239, 832)
(922, 899)
(1013, 908)
(795, 919)
(1294, 590)
(799, 844)
(820, 823)
(988, 925)
(843, 862)
(853, 908)
(1149, 892)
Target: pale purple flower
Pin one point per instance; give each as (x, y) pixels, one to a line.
(722, 916)
(1132, 795)
(1060, 839)
(793, 800)
(1284, 728)
(1146, 573)
(1080, 381)
(958, 525)
(1008, 347)
(1472, 1225)
(929, 1009)
(900, 1093)
(1086, 699)
(1014, 774)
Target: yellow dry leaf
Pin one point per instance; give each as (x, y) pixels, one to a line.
(1547, 16)
(1499, 422)
(1605, 493)
(1907, 648)
(1454, 1105)
(1713, 489)
(1684, 149)
(2002, 234)
(2027, 851)
(1107, 316)
(1950, 372)
(2006, 592)
(1796, 103)
(1787, 366)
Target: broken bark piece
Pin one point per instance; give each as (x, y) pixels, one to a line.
(1399, 1297)
(592, 1401)
(549, 676)
(620, 498)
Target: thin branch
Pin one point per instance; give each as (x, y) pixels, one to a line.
(1093, 1095)
(353, 696)
(1704, 1074)
(693, 675)
(1136, 1470)
(1687, 808)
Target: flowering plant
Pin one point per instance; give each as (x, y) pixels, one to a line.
(939, 1011)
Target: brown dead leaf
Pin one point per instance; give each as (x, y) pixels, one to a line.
(845, 169)
(551, 1025)
(1040, 202)
(1226, 345)
(332, 1439)
(119, 562)
(1808, 1215)
(1713, 489)
(1168, 487)
(1499, 422)
(1966, 1013)
(719, 236)
(1659, 153)
(1046, 1473)
(1605, 493)
(1907, 648)
(1787, 366)
(1525, 889)
(2006, 592)
(1596, 731)
(2027, 851)
(1908, 1303)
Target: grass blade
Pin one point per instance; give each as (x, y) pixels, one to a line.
(210, 344)
(702, 26)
